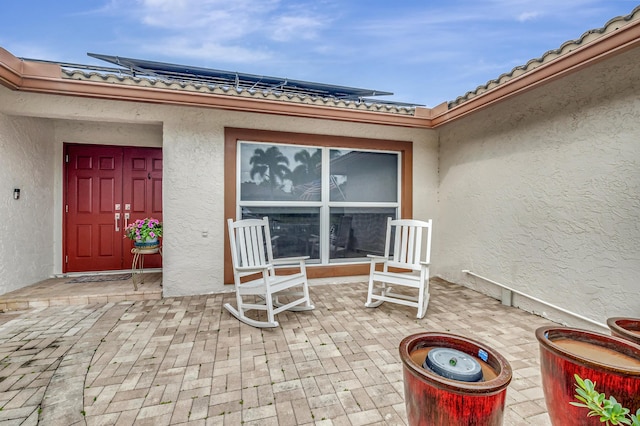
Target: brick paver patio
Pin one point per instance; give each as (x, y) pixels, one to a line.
(188, 361)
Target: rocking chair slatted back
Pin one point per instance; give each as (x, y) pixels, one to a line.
(249, 239)
(407, 238)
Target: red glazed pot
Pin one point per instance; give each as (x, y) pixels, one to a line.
(435, 400)
(613, 378)
(626, 328)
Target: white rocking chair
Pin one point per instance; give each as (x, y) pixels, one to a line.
(404, 263)
(252, 254)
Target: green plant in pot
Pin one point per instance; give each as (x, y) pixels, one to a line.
(609, 410)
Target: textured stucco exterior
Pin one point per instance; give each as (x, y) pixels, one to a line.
(26, 224)
(193, 153)
(192, 140)
(542, 193)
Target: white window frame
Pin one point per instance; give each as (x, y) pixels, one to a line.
(325, 204)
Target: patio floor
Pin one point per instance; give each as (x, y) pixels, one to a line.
(186, 360)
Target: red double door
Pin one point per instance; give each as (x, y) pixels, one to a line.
(106, 188)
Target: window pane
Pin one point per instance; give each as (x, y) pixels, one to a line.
(279, 172)
(294, 230)
(356, 232)
(363, 176)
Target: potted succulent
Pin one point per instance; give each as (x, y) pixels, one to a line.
(612, 362)
(609, 411)
(144, 232)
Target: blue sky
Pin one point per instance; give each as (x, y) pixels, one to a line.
(425, 52)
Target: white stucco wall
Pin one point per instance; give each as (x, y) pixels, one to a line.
(26, 224)
(193, 151)
(542, 193)
(193, 183)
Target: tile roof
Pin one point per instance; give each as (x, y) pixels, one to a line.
(124, 76)
(494, 89)
(569, 46)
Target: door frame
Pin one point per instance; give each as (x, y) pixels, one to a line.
(65, 200)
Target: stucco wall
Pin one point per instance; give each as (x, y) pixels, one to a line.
(193, 140)
(26, 224)
(193, 185)
(541, 193)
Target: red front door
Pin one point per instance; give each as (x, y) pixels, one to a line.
(106, 188)
(142, 193)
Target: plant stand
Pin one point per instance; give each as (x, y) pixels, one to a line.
(137, 266)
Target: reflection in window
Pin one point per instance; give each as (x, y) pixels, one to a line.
(285, 183)
(294, 230)
(282, 173)
(363, 176)
(356, 232)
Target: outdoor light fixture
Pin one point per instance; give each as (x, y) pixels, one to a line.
(16, 194)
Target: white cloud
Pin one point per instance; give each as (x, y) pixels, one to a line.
(238, 31)
(527, 16)
(207, 50)
(288, 28)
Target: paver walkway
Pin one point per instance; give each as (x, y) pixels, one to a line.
(187, 361)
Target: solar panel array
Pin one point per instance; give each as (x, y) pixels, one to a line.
(240, 81)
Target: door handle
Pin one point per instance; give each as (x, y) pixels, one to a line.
(126, 220)
(117, 222)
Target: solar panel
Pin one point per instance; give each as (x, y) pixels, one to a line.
(184, 73)
(228, 79)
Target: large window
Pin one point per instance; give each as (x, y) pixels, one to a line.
(339, 189)
(329, 203)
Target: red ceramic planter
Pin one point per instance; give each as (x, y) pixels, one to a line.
(612, 363)
(435, 400)
(626, 328)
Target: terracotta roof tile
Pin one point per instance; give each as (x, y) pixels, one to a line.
(568, 46)
(113, 78)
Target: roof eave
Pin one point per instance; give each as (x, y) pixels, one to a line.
(11, 69)
(37, 77)
(622, 39)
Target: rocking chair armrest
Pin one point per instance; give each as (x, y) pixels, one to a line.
(425, 263)
(288, 260)
(254, 268)
(377, 258)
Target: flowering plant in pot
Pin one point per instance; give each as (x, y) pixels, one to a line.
(608, 410)
(144, 232)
